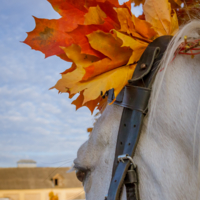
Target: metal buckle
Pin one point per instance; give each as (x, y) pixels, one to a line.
(123, 157)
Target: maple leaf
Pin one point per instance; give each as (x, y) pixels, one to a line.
(76, 72)
(90, 104)
(71, 11)
(128, 24)
(137, 46)
(144, 28)
(125, 20)
(116, 78)
(95, 16)
(49, 35)
(103, 40)
(159, 16)
(110, 46)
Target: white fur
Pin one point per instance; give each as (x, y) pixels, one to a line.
(167, 155)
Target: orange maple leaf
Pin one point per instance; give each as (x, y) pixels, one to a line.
(103, 40)
(90, 104)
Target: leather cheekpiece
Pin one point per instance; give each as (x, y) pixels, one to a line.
(134, 98)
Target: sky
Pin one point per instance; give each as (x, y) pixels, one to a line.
(35, 123)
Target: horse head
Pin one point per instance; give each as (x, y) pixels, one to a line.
(167, 154)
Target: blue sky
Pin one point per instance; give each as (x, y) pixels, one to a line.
(35, 123)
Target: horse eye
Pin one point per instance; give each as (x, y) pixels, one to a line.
(80, 175)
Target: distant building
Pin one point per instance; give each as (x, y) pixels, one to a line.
(26, 163)
(35, 183)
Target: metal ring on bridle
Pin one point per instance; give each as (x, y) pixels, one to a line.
(123, 157)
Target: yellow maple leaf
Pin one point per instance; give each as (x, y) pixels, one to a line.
(130, 41)
(158, 14)
(110, 46)
(137, 46)
(144, 28)
(125, 20)
(94, 16)
(81, 61)
(116, 78)
(135, 57)
(128, 25)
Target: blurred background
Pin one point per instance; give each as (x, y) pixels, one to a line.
(38, 127)
(35, 123)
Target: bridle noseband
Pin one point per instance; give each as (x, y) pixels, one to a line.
(134, 98)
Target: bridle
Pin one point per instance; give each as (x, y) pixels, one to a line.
(134, 99)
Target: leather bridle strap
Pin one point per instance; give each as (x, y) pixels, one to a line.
(134, 98)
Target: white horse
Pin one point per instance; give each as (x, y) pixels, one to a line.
(167, 155)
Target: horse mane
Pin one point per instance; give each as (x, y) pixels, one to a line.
(192, 31)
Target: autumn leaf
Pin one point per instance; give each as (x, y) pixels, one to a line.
(110, 46)
(76, 73)
(127, 24)
(48, 36)
(89, 130)
(71, 69)
(106, 43)
(116, 78)
(144, 28)
(128, 41)
(158, 15)
(103, 40)
(72, 11)
(110, 12)
(103, 12)
(125, 20)
(128, 4)
(79, 37)
(90, 104)
(137, 46)
(94, 16)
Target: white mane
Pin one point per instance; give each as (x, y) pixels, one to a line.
(167, 154)
(175, 125)
(191, 30)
